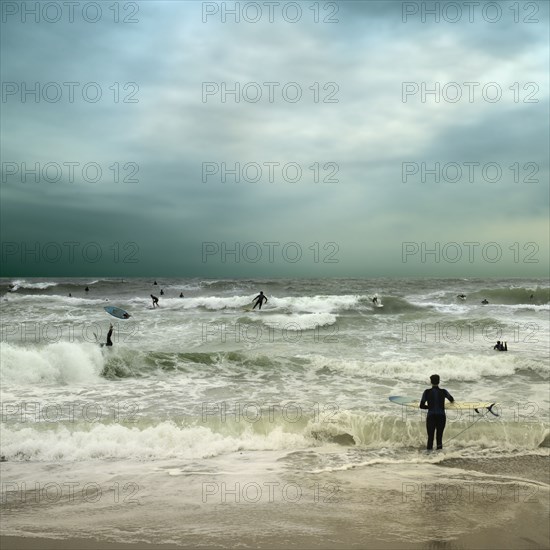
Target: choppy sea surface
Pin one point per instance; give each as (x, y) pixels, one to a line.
(300, 386)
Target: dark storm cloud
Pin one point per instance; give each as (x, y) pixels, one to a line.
(369, 133)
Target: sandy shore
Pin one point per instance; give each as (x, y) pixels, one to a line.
(499, 504)
(533, 468)
(38, 543)
(20, 543)
(520, 535)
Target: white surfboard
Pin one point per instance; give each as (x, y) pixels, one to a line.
(456, 406)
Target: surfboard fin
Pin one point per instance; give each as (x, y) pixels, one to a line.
(490, 409)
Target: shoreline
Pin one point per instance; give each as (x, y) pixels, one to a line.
(517, 535)
(390, 507)
(9, 542)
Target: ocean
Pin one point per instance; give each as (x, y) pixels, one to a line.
(210, 424)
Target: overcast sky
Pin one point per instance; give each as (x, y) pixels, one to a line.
(375, 216)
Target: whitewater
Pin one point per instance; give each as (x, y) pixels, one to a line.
(203, 386)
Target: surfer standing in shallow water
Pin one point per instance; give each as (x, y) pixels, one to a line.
(259, 300)
(433, 400)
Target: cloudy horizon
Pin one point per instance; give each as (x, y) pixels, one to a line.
(340, 182)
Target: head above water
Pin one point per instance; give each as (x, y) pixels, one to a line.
(434, 379)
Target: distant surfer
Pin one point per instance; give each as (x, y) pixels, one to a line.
(259, 300)
(161, 292)
(462, 296)
(484, 301)
(70, 295)
(155, 283)
(181, 294)
(501, 346)
(375, 300)
(155, 301)
(433, 400)
(109, 334)
(86, 289)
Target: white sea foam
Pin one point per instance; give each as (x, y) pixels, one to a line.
(168, 439)
(164, 440)
(298, 322)
(61, 363)
(290, 304)
(22, 283)
(317, 304)
(443, 308)
(449, 367)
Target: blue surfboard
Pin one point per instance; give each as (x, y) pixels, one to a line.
(117, 312)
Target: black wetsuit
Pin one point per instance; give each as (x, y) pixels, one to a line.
(433, 399)
(259, 300)
(109, 334)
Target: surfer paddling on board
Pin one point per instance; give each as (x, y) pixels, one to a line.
(259, 300)
(155, 301)
(433, 400)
